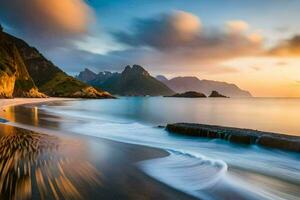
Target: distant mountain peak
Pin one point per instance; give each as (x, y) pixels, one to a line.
(88, 70)
(135, 70)
(161, 78)
(86, 75)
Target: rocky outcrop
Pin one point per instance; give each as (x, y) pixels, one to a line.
(237, 135)
(91, 92)
(215, 94)
(189, 94)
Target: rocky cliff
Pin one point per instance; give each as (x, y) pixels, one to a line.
(34, 72)
(15, 80)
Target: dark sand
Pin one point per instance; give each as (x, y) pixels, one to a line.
(64, 166)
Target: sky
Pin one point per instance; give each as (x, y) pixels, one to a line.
(252, 43)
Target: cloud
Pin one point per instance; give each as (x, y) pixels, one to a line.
(173, 42)
(237, 26)
(165, 31)
(74, 60)
(289, 47)
(47, 21)
(179, 40)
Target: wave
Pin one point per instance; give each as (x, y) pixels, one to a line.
(185, 172)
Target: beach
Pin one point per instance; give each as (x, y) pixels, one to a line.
(21, 101)
(57, 165)
(114, 149)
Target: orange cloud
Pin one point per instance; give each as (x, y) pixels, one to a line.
(237, 26)
(185, 24)
(47, 20)
(289, 47)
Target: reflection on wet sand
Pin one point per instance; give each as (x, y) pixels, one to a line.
(64, 165)
(31, 160)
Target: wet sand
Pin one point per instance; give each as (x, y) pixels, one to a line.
(21, 101)
(56, 165)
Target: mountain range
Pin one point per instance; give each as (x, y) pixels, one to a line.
(136, 81)
(191, 83)
(132, 81)
(25, 72)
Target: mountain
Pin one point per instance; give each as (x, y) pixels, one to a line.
(99, 78)
(14, 77)
(133, 81)
(161, 78)
(37, 72)
(190, 83)
(86, 75)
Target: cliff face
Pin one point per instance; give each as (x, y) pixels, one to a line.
(33, 72)
(14, 78)
(7, 84)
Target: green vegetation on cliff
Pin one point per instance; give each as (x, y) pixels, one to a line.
(67, 86)
(32, 70)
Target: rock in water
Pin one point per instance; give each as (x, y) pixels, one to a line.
(215, 94)
(189, 94)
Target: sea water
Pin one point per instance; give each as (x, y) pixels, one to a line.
(204, 168)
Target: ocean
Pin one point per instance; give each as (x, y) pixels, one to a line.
(204, 168)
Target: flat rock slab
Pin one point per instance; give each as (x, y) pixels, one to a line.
(238, 135)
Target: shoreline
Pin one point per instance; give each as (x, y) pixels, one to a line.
(106, 156)
(4, 103)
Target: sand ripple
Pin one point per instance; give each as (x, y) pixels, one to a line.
(34, 164)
